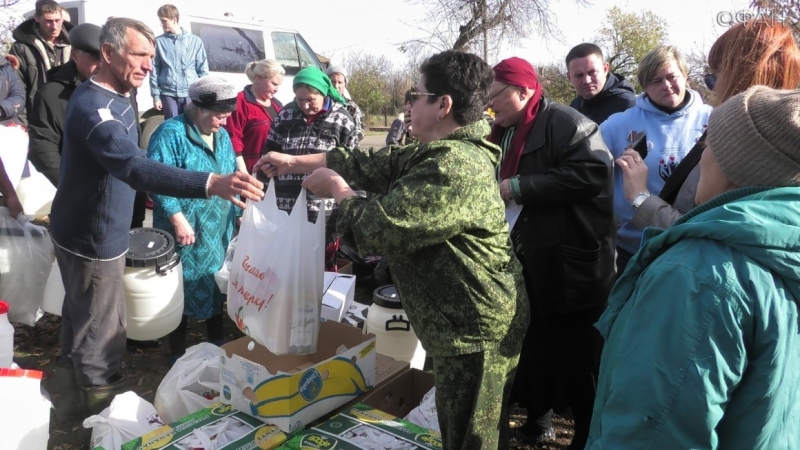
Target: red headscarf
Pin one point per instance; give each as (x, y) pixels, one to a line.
(517, 72)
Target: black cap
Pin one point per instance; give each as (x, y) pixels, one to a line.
(86, 37)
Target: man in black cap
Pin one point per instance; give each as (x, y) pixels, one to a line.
(46, 119)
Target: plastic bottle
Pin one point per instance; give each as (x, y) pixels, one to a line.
(6, 337)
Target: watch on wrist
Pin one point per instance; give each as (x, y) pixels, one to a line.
(639, 199)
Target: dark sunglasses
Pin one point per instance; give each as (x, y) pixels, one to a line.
(415, 95)
(711, 80)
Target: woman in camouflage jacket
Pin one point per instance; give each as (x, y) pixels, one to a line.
(440, 224)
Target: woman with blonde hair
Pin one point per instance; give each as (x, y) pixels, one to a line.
(757, 52)
(256, 109)
(672, 117)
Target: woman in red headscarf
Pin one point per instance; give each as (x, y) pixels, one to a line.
(556, 167)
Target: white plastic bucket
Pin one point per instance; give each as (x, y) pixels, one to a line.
(394, 335)
(153, 281)
(25, 417)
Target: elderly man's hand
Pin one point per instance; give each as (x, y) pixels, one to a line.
(327, 183)
(505, 191)
(274, 164)
(237, 183)
(13, 204)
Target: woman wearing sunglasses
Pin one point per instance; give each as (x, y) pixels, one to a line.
(761, 52)
(440, 223)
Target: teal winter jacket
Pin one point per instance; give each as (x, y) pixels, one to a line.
(702, 340)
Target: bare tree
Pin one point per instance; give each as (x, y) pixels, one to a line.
(697, 61)
(555, 83)
(368, 82)
(483, 26)
(627, 37)
(786, 10)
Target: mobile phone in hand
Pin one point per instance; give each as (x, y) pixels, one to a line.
(640, 145)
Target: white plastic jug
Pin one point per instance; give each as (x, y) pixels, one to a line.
(25, 419)
(153, 281)
(54, 292)
(394, 335)
(6, 337)
(36, 194)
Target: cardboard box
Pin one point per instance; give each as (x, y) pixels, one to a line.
(356, 315)
(340, 289)
(344, 266)
(290, 391)
(400, 394)
(176, 435)
(336, 432)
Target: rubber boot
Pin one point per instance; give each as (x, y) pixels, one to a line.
(69, 405)
(97, 398)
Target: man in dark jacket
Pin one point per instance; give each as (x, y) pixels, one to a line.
(46, 118)
(12, 92)
(600, 92)
(40, 43)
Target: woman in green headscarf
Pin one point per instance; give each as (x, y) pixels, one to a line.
(315, 122)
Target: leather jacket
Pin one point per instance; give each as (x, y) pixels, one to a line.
(566, 226)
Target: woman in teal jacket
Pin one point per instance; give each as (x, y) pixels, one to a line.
(702, 331)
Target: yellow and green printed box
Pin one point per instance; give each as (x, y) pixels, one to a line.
(335, 433)
(291, 391)
(174, 436)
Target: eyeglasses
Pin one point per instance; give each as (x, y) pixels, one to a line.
(711, 80)
(415, 95)
(498, 92)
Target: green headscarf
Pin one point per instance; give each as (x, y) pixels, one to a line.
(317, 79)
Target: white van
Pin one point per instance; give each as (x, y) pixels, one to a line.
(231, 42)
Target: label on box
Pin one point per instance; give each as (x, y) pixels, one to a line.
(175, 436)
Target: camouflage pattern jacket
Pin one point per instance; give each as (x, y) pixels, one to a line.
(440, 223)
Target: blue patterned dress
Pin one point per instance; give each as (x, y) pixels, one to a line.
(178, 142)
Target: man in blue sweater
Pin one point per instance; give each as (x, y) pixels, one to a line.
(102, 167)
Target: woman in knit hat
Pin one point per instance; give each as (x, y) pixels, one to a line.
(202, 228)
(556, 166)
(703, 328)
(338, 76)
(316, 121)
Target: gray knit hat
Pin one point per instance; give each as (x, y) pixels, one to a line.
(214, 93)
(337, 69)
(755, 137)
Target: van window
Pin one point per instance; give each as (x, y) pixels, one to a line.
(73, 15)
(292, 52)
(229, 49)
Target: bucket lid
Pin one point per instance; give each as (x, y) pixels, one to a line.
(3, 307)
(21, 373)
(387, 297)
(149, 247)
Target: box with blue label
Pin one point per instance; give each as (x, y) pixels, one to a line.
(219, 425)
(291, 391)
(362, 427)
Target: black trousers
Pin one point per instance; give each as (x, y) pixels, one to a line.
(558, 369)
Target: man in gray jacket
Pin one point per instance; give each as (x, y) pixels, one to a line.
(180, 60)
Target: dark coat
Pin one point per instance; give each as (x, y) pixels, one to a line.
(46, 120)
(566, 226)
(617, 96)
(12, 94)
(34, 58)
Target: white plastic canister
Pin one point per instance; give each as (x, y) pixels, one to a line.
(6, 337)
(394, 335)
(153, 282)
(54, 292)
(25, 417)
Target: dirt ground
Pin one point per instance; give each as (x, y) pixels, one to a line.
(38, 347)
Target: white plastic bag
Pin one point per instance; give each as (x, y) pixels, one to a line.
(222, 275)
(275, 289)
(191, 384)
(216, 435)
(26, 259)
(14, 152)
(425, 414)
(128, 417)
